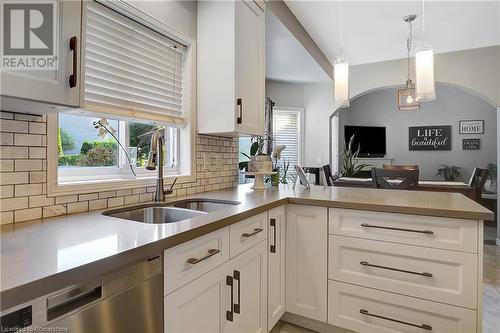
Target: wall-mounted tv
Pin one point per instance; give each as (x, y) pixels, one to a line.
(370, 139)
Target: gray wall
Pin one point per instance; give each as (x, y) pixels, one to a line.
(379, 108)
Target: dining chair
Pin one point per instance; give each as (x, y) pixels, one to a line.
(477, 181)
(328, 175)
(400, 167)
(402, 179)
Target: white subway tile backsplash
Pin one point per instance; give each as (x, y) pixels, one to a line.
(23, 174)
(27, 139)
(27, 214)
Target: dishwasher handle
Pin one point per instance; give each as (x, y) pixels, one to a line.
(70, 300)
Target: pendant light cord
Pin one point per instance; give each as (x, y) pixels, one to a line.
(408, 48)
(341, 31)
(423, 22)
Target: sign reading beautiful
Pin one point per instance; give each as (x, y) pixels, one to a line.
(430, 138)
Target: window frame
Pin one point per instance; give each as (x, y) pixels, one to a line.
(185, 145)
(300, 112)
(122, 170)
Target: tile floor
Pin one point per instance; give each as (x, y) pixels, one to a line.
(491, 294)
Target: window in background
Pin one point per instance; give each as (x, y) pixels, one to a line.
(287, 130)
(85, 153)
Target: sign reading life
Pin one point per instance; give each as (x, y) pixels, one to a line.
(430, 138)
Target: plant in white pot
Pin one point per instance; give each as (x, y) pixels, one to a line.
(490, 186)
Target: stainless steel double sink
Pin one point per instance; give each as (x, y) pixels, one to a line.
(170, 212)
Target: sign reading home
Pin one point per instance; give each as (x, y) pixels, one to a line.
(471, 144)
(430, 138)
(471, 126)
(29, 35)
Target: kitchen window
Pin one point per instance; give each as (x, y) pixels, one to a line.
(288, 131)
(91, 148)
(137, 77)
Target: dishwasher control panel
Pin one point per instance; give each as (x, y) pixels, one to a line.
(16, 320)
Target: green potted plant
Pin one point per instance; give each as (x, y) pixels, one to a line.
(349, 166)
(449, 172)
(259, 161)
(281, 171)
(490, 186)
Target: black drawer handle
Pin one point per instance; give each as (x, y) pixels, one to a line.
(255, 232)
(237, 277)
(239, 103)
(427, 232)
(273, 224)
(74, 47)
(211, 252)
(366, 263)
(423, 326)
(229, 282)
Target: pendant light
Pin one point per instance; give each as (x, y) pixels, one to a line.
(406, 96)
(424, 68)
(341, 71)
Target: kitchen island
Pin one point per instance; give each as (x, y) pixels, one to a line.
(43, 256)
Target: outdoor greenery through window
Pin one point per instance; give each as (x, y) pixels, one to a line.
(89, 146)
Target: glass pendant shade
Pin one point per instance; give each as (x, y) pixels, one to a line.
(424, 74)
(341, 82)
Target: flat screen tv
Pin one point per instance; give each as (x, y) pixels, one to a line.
(370, 139)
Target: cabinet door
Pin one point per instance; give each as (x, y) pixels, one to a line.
(306, 261)
(276, 266)
(198, 306)
(249, 67)
(249, 271)
(52, 86)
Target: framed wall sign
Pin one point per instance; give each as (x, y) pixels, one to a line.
(471, 144)
(471, 126)
(430, 138)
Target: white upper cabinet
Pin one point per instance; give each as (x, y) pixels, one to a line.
(22, 90)
(230, 68)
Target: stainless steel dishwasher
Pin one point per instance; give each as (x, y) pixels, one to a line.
(129, 299)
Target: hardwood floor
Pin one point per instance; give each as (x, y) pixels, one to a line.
(491, 294)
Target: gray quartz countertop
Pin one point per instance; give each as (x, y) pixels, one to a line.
(43, 256)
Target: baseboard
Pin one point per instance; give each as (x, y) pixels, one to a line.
(312, 324)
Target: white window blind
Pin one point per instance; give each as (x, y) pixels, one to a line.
(129, 68)
(287, 131)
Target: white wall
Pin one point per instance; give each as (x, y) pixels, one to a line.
(178, 14)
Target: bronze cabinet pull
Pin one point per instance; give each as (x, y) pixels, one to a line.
(255, 232)
(427, 232)
(366, 263)
(73, 47)
(229, 282)
(237, 277)
(423, 326)
(239, 103)
(211, 252)
(273, 224)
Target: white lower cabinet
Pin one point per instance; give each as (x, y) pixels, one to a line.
(276, 266)
(372, 311)
(229, 298)
(306, 261)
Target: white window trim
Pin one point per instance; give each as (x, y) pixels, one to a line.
(186, 144)
(301, 112)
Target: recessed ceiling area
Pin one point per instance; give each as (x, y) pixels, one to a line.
(286, 58)
(374, 31)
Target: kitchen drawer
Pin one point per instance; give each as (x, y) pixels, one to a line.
(247, 233)
(187, 261)
(442, 233)
(356, 308)
(438, 275)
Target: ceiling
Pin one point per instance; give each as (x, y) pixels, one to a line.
(286, 58)
(374, 31)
